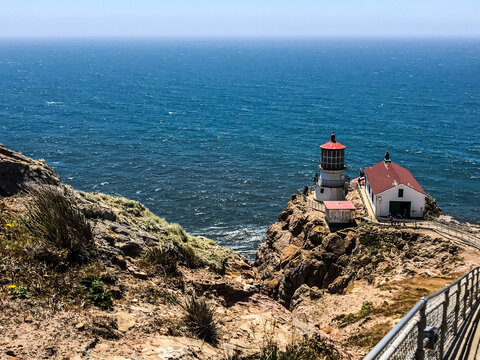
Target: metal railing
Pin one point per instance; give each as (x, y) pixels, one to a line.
(430, 329)
(452, 231)
(314, 204)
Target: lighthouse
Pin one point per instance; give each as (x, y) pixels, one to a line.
(332, 183)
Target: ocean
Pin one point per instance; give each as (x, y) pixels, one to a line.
(217, 134)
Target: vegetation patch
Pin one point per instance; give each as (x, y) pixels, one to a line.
(370, 337)
(309, 348)
(199, 319)
(159, 259)
(54, 220)
(348, 319)
(98, 296)
(154, 294)
(207, 252)
(19, 292)
(410, 291)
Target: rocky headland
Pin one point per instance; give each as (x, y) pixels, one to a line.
(88, 275)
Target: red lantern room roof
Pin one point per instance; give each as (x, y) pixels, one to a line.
(332, 144)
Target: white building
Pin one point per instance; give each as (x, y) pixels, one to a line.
(332, 184)
(339, 212)
(392, 189)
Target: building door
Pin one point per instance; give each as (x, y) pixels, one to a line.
(400, 208)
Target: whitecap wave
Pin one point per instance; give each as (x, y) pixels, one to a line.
(242, 239)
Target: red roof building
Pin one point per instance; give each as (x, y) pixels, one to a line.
(385, 175)
(393, 191)
(339, 205)
(339, 212)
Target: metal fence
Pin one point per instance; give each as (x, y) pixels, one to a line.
(316, 205)
(430, 328)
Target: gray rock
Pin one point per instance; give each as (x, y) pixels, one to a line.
(133, 248)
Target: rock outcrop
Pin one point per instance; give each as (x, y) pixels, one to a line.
(18, 172)
(301, 249)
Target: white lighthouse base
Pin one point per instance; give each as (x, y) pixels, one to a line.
(329, 194)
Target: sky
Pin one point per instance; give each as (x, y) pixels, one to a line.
(239, 18)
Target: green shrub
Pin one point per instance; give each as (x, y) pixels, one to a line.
(199, 319)
(19, 292)
(190, 257)
(53, 217)
(98, 296)
(309, 348)
(365, 310)
(159, 258)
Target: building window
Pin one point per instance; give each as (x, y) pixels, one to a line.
(322, 190)
(400, 192)
(372, 196)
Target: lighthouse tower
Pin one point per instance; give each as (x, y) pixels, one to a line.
(332, 183)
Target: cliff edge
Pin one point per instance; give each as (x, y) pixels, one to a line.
(88, 275)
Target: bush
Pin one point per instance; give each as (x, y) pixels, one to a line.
(53, 217)
(347, 319)
(19, 292)
(160, 258)
(190, 257)
(199, 319)
(98, 296)
(309, 348)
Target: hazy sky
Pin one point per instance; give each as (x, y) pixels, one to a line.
(225, 18)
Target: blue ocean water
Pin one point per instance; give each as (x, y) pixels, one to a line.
(217, 135)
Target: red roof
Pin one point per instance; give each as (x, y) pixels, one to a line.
(332, 144)
(339, 205)
(385, 175)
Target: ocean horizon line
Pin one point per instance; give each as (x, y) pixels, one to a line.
(243, 37)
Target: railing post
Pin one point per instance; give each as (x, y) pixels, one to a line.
(476, 285)
(457, 307)
(465, 295)
(422, 323)
(471, 291)
(443, 329)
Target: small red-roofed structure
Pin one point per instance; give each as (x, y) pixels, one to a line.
(339, 212)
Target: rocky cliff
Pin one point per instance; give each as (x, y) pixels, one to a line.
(301, 249)
(88, 275)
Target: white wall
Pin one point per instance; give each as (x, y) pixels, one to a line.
(329, 194)
(369, 192)
(338, 216)
(416, 198)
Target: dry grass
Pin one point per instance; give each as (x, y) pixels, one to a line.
(199, 319)
(307, 348)
(53, 219)
(38, 267)
(158, 259)
(370, 337)
(409, 292)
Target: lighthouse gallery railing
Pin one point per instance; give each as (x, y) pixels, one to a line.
(430, 329)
